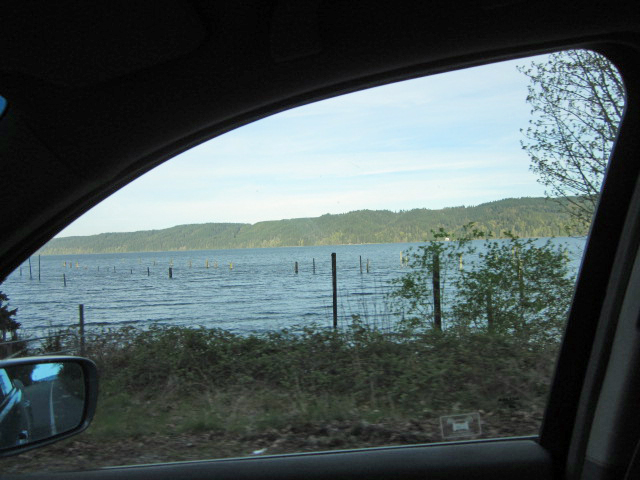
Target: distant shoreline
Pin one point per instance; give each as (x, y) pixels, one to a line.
(280, 246)
(524, 217)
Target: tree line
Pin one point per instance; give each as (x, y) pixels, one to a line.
(525, 217)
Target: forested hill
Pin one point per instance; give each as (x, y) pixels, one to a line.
(525, 217)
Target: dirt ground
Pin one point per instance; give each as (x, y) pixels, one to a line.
(85, 452)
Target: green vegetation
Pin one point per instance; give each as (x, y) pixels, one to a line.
(177, 393)
(525, 217)
(510, 286)
(8, 325)
(320, 375)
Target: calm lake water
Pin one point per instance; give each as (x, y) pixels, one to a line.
(242, 290)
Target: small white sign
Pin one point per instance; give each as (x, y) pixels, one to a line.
(464, 425)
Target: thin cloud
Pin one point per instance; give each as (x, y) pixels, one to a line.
(427, 143)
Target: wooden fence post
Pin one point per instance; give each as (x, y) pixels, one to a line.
(521, 294)
(490, 322)
(437, 310)
(81, 320)
(334, 281)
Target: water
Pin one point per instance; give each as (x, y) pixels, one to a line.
(260, 292)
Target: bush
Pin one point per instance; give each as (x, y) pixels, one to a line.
(508, 287)
(393, 372)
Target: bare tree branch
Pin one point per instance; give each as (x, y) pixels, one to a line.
(577, 99)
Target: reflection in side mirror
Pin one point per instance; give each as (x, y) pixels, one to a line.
(43, 400)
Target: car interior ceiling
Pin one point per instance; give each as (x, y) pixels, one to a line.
(100, 93)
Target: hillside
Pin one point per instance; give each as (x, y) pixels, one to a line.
(525, 217)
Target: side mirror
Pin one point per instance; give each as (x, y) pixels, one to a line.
(43, 400)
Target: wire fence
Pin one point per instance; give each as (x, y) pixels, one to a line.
(45, 345)
(65, 341)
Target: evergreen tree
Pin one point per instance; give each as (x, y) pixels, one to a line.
(8, 325)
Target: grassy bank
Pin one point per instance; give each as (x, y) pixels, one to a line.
(177, 393)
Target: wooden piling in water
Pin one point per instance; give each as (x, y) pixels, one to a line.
(30, 275)
(20, 270)
(170, 272)
(38, 267)
(64, 279)
(314, 266)
(295, 268)
(334, 282)
(81, 328)
(206, 264)
(367, 265)
(437, 310)
(148, 273)
(360, 264)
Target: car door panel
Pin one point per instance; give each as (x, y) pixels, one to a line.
(518, 459)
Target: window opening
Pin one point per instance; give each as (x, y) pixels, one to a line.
(457, 228)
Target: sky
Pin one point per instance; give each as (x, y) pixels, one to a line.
(446, 140)
(45, 370)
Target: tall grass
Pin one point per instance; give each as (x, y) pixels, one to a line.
(213, 380)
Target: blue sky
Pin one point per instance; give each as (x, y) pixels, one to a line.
(446, 140)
